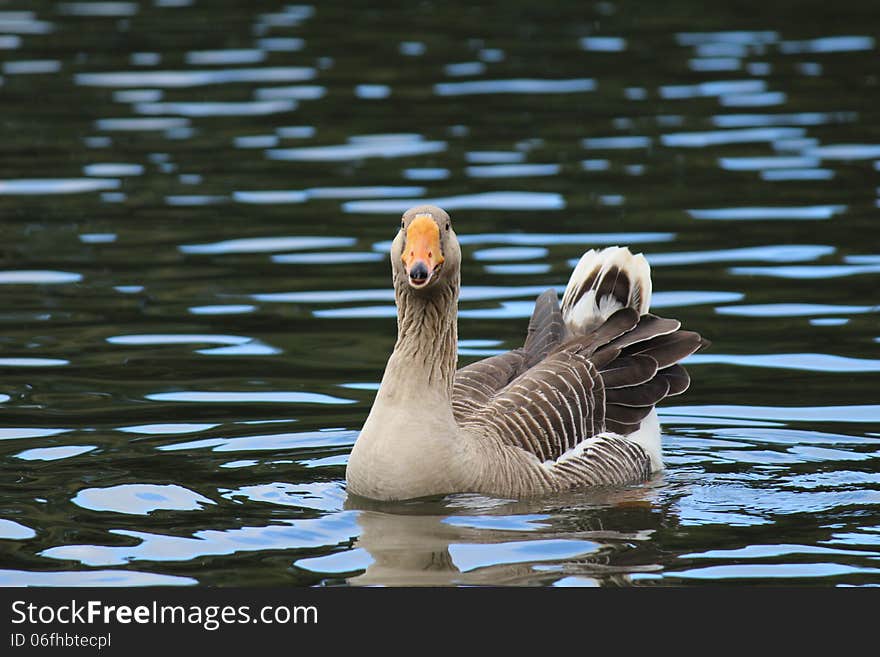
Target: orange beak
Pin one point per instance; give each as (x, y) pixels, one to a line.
(421, 254)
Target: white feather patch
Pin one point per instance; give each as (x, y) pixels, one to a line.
(590, 311)
(647, 436)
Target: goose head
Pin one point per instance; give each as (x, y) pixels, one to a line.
(425, 253)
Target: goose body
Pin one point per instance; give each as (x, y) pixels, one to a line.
(572, 408)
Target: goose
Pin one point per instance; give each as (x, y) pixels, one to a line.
(573, 407)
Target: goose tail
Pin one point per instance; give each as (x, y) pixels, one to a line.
(602, 283)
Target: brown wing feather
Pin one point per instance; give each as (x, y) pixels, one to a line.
(546, 328)
(626, 414)
(667, 349)
(550, 408)
(649, 326)
(629, 371)
(550, 396)
(646, 394)
(618, 324)
(639, 370)
(605, 460)
(678, 378)
(475, 384)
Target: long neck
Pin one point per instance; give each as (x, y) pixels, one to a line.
(425, 356)
(409, 446)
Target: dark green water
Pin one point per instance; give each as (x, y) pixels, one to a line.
(196, 200)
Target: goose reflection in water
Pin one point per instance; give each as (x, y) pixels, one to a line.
(478, 540)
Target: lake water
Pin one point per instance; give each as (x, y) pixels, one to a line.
(196, 201)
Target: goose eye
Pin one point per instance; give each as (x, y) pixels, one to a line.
(402, 225)
(447, 225)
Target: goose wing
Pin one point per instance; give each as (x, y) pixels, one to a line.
(476, 384)
(564, 409)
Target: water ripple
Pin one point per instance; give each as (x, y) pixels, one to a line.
(797, 174)
(747, 37)
(494, 157)
(714, 88)
(603, 44)
(204, 108)
(329, 530)
(521, 523)
(807, 272)
(194, 78)
(116, 9)
(114, 578)
(551, 239)
(467, 557)
(300, 196)
(321, 496)
(270, 442)
(24, 23)
(723, 137)
(223, 309)
(12, 433)
(40, 186)
(142, 124)
(281, 44)
(845, 152)
(177, 338)
(769, 253)
(274, 397)
(764, 99)
(117, 169)
(768, 571)
(462, 69)
(793, 310)
(616, 143)
(54, 453)
(32, 67)
(372, 91)
(267, 245)
(295, 92)
(808, 362)
(854, 413)
(341, 257)
(38, 277)
(167, 429)
(15, 531)
(770, 162)
(516, 86)
(510, 253)
(513, 170)
(358, 150)
(828, 44)
(227, 56)
(482, 201)
(348, 561)
(140, 499)
(811, 212)
(800, 118)
(426, 173)
(33, 362)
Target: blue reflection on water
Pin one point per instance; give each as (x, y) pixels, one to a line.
(515, 86)
(467, 557)
(329, 530)
(53, 453)
(808, 362)
(140, 499)
(114, 578)
(273, 397)
(15, 531)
